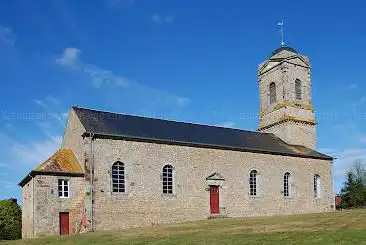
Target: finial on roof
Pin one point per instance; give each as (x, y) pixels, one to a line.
(281, 30)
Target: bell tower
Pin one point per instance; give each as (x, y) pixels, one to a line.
(285, 97)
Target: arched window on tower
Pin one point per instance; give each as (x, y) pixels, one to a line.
(272, 93)
(253, 183)
(118, 177)
(168, 181)
(316, 185)
(298, 92)
(286, 184)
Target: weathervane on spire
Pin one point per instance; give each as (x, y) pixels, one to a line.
(281, 30)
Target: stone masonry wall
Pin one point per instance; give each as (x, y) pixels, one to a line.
(72, 137)
(27, 210)
(305, 134)
(144, 204)
(276, 115)
(48, 204)
(284, 70)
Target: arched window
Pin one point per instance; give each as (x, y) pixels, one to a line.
(298, 92)
(168, 179)
(118, 177)
(272, 93)
(253, 183)
(316, 185)
(286, 184)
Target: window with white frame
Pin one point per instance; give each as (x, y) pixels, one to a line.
(316, 185)
(118, 178)
(168, 179)
(253, 183)
(286, 184)
(63, 188)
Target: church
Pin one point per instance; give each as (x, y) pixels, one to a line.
(116, 171)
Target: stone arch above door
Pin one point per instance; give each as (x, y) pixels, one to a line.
(215, 179)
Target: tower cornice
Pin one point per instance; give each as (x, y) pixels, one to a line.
(293, 104)
(280, 61)
(287, 119)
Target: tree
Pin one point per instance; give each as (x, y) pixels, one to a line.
(354, 189)
(10, 220)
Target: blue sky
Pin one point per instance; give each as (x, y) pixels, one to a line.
(183, 60)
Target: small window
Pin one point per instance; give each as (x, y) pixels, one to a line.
(298, 92)
(63, 188)
(118, 177)
(272, 93)
(167, 179)
(253, 183)
(286, 184)
(316, 185)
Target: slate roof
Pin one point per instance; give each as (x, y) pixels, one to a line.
(120, 126)
(276, 51)
(63, 162)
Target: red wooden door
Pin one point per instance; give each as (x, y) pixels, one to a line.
(214, 199)
(64, 223)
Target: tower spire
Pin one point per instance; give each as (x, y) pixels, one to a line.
(281, 30)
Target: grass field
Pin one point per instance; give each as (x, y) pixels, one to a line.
(343, 227)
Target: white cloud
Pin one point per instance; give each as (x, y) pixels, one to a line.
(7, 35)
(49, 105)
(352, 86)
(53, 100)
(227, 124)
(362, 138)
(4, 165)
(360, 101)
(161, 19)
(7, 184)
(343, 162)
(37, 152)
(156, 18)
(46, 126)
(101, 77)
(48, 102)
(9, 126)
(19, 155)
(65, 115)
(40, 103)
(69, 57)
(51, 124)
(169, 19)
(182, 101)
(105, 78)
(346, 158)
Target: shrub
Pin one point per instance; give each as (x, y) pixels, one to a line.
(344, 205)
(10, 220)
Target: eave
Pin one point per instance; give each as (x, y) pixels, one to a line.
(198, 145)
(34, 173)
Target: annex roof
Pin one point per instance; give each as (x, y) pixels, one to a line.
(63, 162)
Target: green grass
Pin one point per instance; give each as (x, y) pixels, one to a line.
(344, 227)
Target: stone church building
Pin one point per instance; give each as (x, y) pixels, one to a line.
(116, 171)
